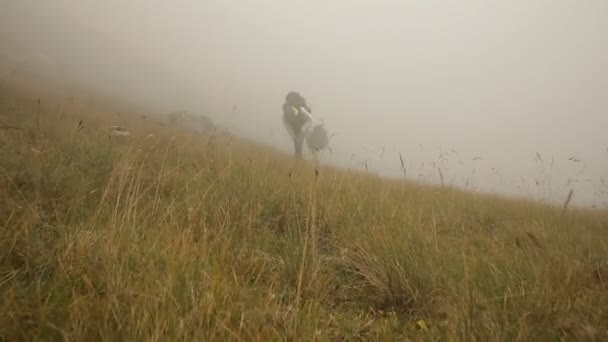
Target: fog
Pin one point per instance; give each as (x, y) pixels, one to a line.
(519, 86)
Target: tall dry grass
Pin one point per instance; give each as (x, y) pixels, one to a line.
(168, 235)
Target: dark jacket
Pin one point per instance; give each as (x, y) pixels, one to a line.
(292, 115)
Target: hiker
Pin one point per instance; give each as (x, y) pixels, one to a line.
(296, 115)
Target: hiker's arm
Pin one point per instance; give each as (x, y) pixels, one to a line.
(305, 110)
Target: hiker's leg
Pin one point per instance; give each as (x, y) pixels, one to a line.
(298, 142)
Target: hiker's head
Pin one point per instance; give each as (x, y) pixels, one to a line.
(295, 99)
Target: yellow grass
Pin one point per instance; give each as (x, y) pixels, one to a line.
(168, 235)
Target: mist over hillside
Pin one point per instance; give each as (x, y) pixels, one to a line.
(505, 96)
(150, 189)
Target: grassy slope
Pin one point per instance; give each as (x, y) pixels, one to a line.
(195, 238)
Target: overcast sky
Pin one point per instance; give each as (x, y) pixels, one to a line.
(501, 80)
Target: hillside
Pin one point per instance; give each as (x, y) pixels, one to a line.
(168, 235)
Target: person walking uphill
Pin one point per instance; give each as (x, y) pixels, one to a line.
(296, 115)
